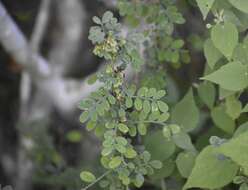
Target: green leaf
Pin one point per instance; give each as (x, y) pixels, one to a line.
(87, 177)
(232, 76)
(96, 20)
(222, 120)
(207, 94)
(205, 6)
(244, 186)
(241, 129)
(139, 180)
(185, 162)
(123, 128)
(159, 147)
(156, 164)
(115, 162)
(211, 53)
(163, 117)
(183, 140)
(236, 149)
(74, 136)
(160, 94)
(219, 35)
(142, 91)
(241, 53)
(240, 4)
(163, 107)
(142, 129)
(111, 99)
(167, 169)
(107, 16)
(233, 107)
(210, 172)
(130, 153)
(245, 109)
(138, 104)
(129, 102)
(84, 116)
(185, 113)
(146, 106)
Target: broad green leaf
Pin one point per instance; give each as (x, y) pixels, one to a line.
(205, 6)
(87, 177)
(233, 107)
(237, 150)
(241, 53)
(241, 129)
(185, 162)
(225, 38)
(207, 94)
(244, 186)
(182, 140)
(223, 93)
(232, 76)
(115, 162)
(166, 170)
(245, 109)
(159, 147)
(185, 113)
(222, 120)
(211, 53)
(210, 172)
(240, 4)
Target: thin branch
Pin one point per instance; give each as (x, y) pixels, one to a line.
(40, 25)
(66, 43)
(16, 45)
(97, 180)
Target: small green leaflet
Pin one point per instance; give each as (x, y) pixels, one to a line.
(240, 4)
(225, 38)
(205, 6)
(115, 162)
(87, 176)
(236, 149)
(222, 120)
(208, 169)
(211, 53)
(185, 113)
(232, 76)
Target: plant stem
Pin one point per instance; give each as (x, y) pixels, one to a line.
(163, 185)
(97, 180)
